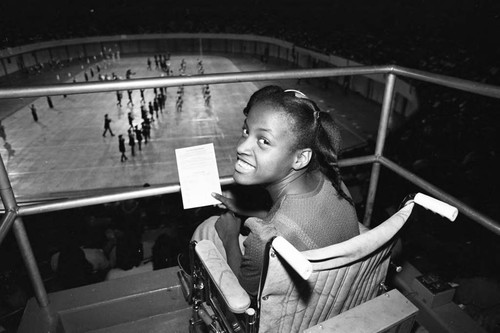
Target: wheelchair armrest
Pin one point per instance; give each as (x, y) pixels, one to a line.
(234, 295)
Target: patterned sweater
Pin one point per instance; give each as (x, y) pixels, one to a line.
(308, 221)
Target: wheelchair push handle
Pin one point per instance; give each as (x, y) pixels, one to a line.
(437, 206)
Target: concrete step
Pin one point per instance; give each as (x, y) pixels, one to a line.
(173, 322)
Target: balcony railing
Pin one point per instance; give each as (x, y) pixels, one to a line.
(13, 213)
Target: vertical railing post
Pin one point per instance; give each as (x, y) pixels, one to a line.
(379, 147)
(30, 262)
(10, 204)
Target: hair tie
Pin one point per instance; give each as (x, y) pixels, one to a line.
(296, 93)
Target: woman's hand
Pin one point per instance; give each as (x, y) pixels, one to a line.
(227, 201)
(228, 227)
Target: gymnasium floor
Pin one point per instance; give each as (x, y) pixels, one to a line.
(65, 150)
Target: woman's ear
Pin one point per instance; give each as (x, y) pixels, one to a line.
(302, 159)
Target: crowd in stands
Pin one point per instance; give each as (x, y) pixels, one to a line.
(447, 38)
(116, 240)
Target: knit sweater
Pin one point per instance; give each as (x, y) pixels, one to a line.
(308, 221)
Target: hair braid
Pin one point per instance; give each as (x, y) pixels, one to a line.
(328, 146)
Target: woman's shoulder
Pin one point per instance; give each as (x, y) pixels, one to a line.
(328, 187)
(257, 225)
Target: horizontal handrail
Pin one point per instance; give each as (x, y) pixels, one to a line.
(448, 81)
(357, 161)
(442, 195)
(62, 204)
(29, 207)
(105, 198)
(173, 81)
(148, 83)
(175, 188)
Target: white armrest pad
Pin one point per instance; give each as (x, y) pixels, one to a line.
(221, 274)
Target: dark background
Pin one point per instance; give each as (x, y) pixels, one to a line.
(448, 36)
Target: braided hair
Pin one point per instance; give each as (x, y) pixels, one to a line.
(313, 128)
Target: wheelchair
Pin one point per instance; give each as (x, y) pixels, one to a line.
(317, 290)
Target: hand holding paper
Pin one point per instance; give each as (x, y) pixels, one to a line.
(198, 175)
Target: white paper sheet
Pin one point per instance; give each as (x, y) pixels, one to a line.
(198, 175)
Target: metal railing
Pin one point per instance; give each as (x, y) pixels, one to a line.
(13, 213)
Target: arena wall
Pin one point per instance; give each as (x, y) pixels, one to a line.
(32, 57)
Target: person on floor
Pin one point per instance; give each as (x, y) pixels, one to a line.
(121, 147)
(107, 126)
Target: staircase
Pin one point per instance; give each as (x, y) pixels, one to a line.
(147, 302)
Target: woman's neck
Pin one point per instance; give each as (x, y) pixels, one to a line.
(297, 182)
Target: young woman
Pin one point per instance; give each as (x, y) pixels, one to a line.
(289, 147)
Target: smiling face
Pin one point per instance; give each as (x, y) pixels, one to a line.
(265, 153)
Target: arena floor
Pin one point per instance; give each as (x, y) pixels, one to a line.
(65, 150)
